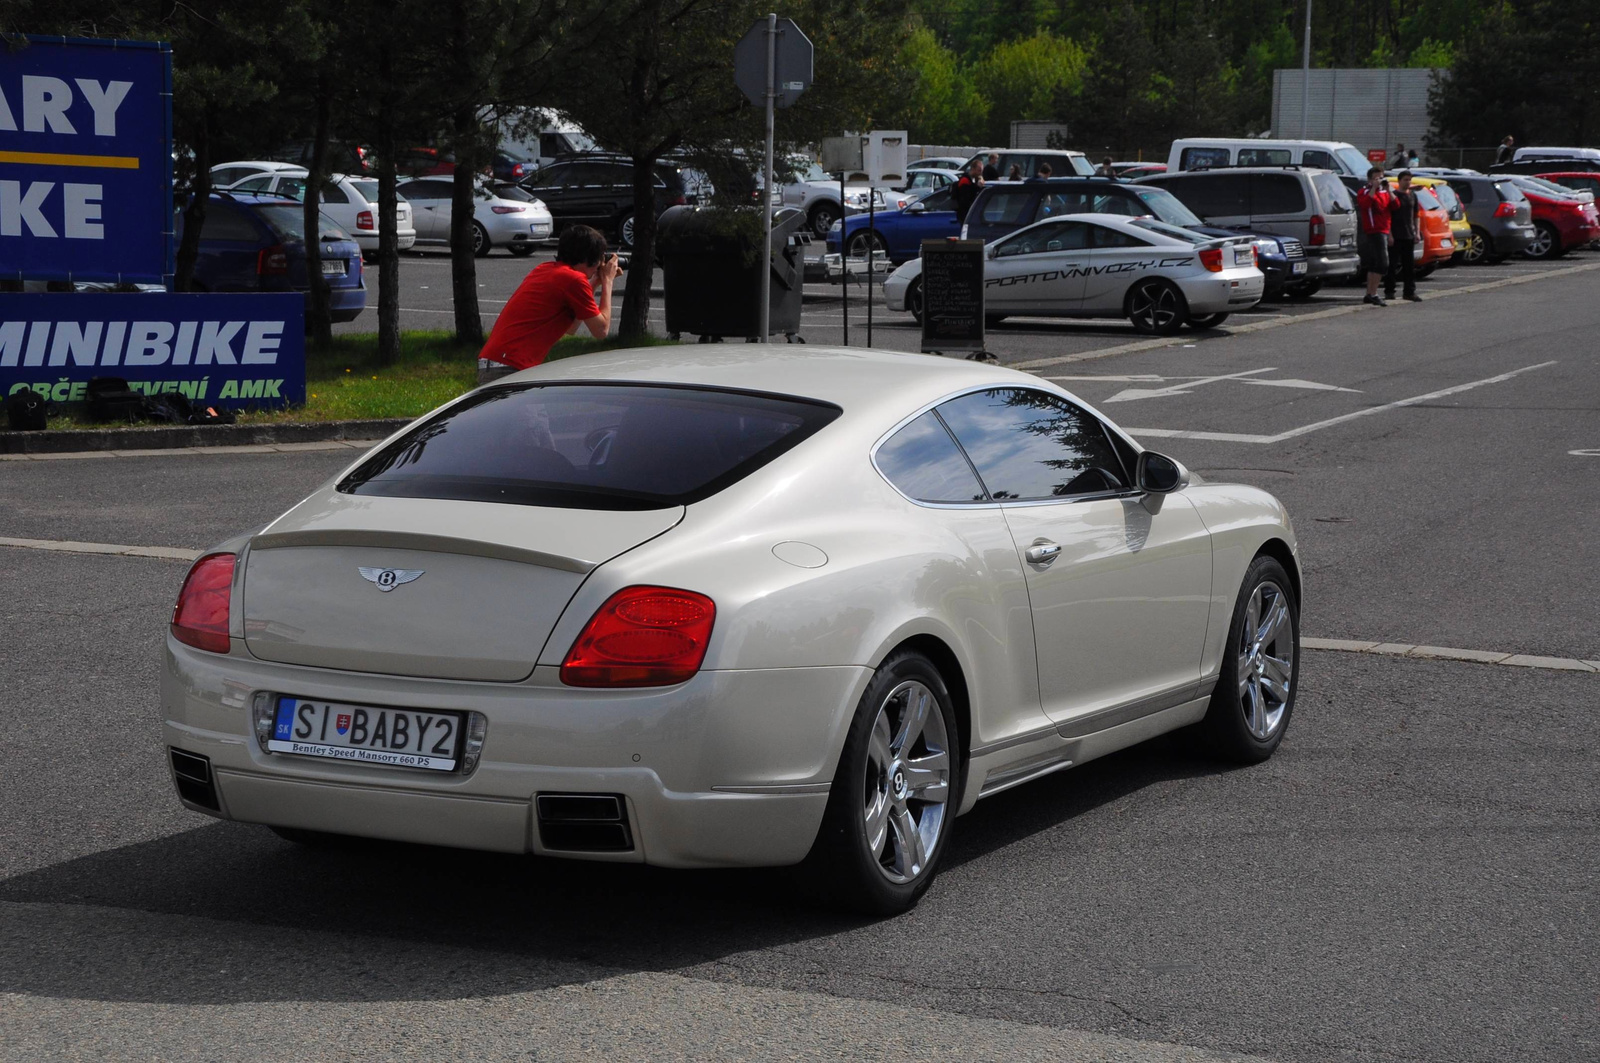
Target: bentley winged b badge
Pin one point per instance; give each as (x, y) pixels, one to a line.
(388, 579)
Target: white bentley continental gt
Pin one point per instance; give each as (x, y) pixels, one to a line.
(714, 607)
(1158, 276)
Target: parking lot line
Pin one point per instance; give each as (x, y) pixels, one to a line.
(1317, 426)
(165, 553)
(1446, 653)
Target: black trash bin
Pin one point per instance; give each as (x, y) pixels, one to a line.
(711, 258)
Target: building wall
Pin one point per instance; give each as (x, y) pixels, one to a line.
(1368, 108)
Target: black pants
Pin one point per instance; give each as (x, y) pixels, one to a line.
(1402, 265)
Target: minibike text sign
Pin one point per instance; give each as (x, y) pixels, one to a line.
(233, 350)
(85, 160)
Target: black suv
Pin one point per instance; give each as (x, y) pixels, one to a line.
(597, 189)
(1003, 207)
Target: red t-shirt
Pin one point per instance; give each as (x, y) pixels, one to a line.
(550, 298)
(1373, 208)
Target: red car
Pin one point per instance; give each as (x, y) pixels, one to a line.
(1563, 222)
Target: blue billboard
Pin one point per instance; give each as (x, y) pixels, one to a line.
(85, 160)
(233, 350)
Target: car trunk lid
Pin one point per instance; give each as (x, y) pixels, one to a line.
(420, 587)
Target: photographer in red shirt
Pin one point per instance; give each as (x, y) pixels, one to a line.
(1373, 204)
(551, 302)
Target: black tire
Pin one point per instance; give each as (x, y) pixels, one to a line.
(1247, 719)
(821, 218)
(1304, 290)
(521, 250)
(914, 300)
(1156, 308)
(1478, 248)
(625, 231)
(847, 868)
(480, 241)
(1547, 244)
(1207, 321)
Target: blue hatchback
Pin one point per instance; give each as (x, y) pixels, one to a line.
(899, 232)
(256, 243)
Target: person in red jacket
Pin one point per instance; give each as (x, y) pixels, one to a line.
(1373, 206)
(552, 301)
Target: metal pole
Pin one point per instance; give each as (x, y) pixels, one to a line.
(872, 224)
(770, 183)
(1305, 75)
(844, 262)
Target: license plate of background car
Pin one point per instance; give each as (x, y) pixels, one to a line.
(365, 734)
(1297, 268)
(1347, 240)
(333, 265)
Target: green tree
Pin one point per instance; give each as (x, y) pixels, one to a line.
(1022, 79)
(944, 107)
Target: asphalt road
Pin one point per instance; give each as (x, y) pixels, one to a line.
(1412, 877)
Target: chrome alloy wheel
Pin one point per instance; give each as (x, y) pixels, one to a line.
(907, 781)
(1155, 307)
(1474, 248)
(863, 244)
(1266, 660)
(1543, 245)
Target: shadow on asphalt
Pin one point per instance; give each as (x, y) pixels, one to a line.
(377, 920)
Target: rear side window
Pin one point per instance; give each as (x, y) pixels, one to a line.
(426, 190)
(332, 193)
(590, 446)
(1104, 236)
(1212, 195)
(1007, 207)
(1319, 159)
(1265, 157)
(924, 463)
(1276, 193)
(1028, 444)
(1202, 158)
(225, 223)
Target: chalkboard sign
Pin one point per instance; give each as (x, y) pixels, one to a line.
(952, 295)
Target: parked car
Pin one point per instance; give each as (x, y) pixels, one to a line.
(1501, 216)
(1158, 276)
(1581, 182)
(1538, 166)
(1062, 163)
(1587, 154)
(226, 174)
(1460, 228)
(807, 186)
(1214, 153)
(830, 601)
(925, 179)
(1309, 205)
(597, 189)
(352, 202)
(511, 166)
(1132, 171)
(898, 233)
(519, 225)
(1003, 207)
(257, 243)
(938, 162)
(1563, 217)
(544, 136)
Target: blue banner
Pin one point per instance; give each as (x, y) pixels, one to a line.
(85, 160)
(222, 350)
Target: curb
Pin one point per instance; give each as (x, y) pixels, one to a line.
(186, 437)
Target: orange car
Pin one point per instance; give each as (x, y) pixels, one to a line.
(1433, 226)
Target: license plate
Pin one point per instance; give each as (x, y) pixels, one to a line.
(1244, 256)
(334, 266)
(401, 738)
(1297, 268)
(1347, 240)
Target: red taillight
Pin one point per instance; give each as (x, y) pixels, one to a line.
(1506, 210)
(642, 637)
(1211, 259)
(364, 220)
(200, 619)
(508, 210)
(272, 260)
(678, 201)
(1319, 231)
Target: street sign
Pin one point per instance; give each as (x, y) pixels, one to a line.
(952, 295)
(791, 56)
(85, 160)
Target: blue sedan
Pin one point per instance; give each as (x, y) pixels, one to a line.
(899, 232)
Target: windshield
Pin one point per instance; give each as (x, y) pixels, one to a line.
(1166, 206)
(1173, 231)
(1354, 163)
(590, 446)
(1082, 166)
(802, 169)
(288, 223)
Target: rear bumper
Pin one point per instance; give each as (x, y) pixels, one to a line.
(1219, 293)
(347, 304)
(1334, 264)
(729, 769)
(1510, 239)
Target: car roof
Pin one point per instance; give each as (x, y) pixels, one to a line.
(1245, 169)
(264, 164)
(872, 382)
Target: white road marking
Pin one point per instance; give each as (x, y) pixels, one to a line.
(1309, 385)
(1585, 453)
(1317, 426)
(1129, 394)
(1445, 653)
(166, 553)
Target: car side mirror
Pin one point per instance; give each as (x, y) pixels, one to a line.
(992, 252)
(1159, 474)
(915, 208)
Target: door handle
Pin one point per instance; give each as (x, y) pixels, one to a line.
(1042, 552)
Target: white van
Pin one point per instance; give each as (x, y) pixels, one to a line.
(1541, 154)
(1205, 153)
(540, 135)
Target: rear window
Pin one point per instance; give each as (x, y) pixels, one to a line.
(1427, 200)
(590, 446)
(1509, 193)
(288, 223)
(1166, 206)
(1007, 207)
(1333, 193)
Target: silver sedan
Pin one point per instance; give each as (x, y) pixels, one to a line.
(731, 609)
